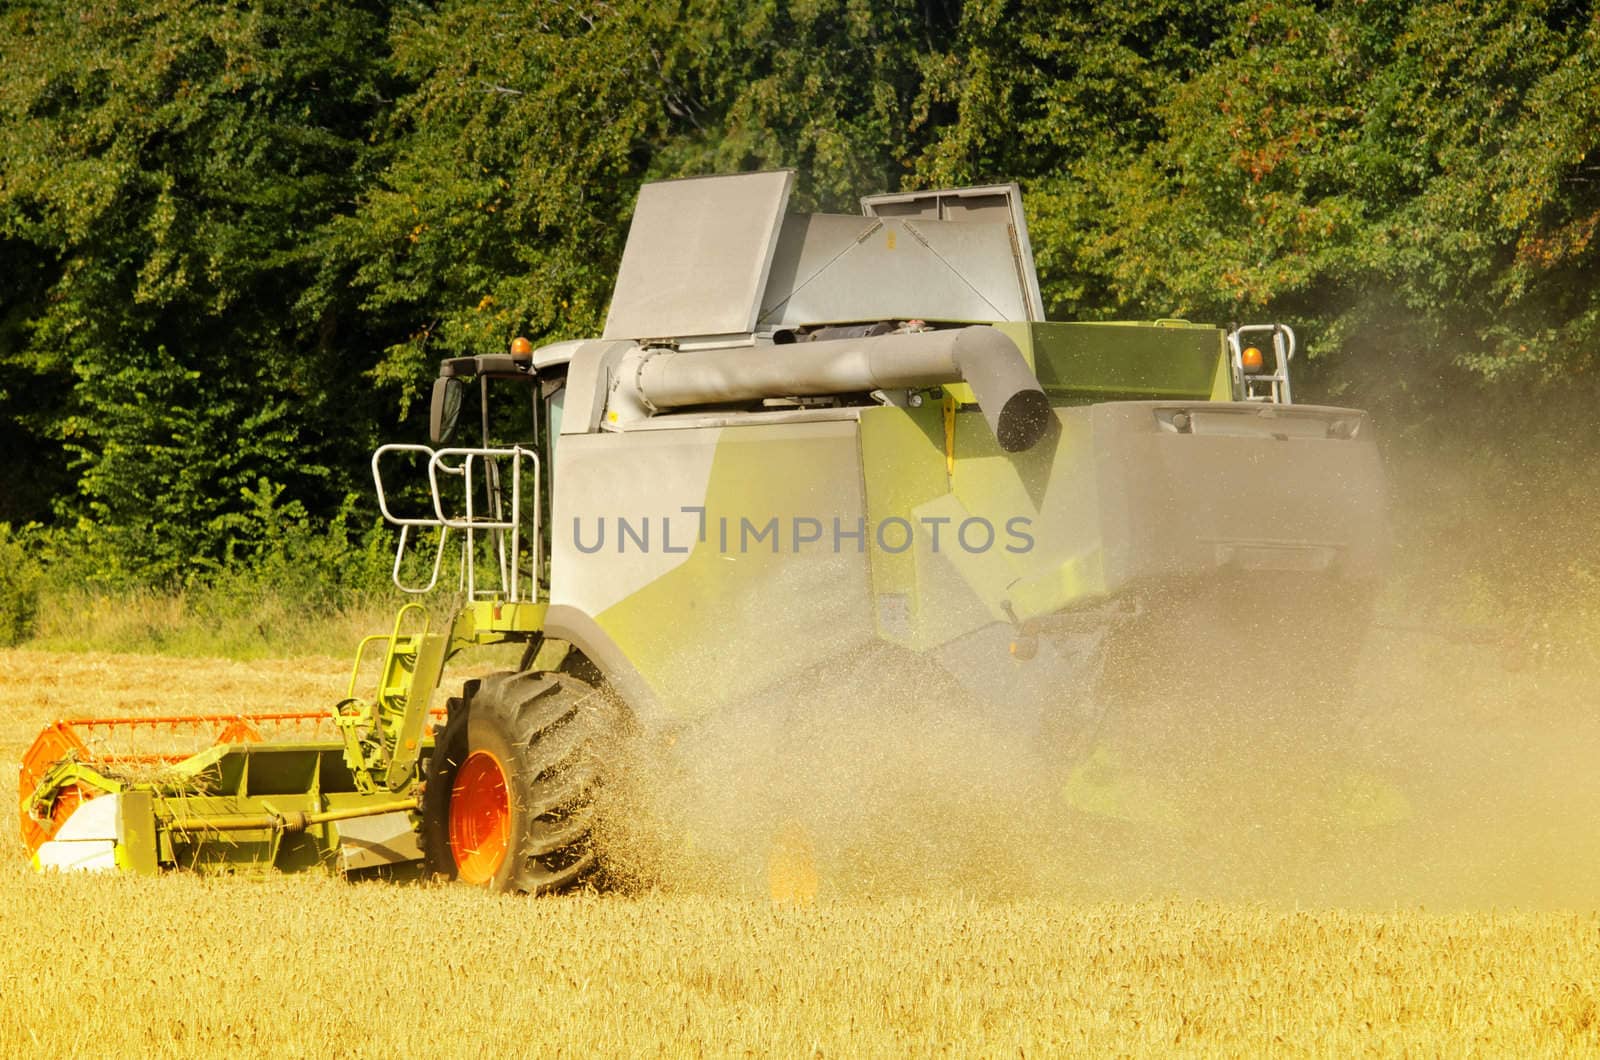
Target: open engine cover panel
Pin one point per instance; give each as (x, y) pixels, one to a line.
(990, 204)
(839, 268)
(717, 257)
(698, 255)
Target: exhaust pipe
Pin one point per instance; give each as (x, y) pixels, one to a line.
(1008, 393)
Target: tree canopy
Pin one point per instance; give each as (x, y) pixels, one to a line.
(237, 235)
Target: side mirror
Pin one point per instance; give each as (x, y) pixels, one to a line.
(445, 409)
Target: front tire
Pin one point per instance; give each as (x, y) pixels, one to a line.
(509, 804)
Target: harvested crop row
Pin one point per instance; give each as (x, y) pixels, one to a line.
(125, 966)
(181, 965)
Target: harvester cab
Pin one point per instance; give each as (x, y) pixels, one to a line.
(803, 444)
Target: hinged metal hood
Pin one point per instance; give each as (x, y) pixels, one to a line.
(954, 254)
(715, 257)
(698, 254)
(837, 268)
(989, 204)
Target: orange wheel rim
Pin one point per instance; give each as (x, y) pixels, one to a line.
(480, 818)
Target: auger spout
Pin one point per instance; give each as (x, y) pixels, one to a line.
(983, 357)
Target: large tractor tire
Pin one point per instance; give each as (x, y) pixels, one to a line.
(509, 803)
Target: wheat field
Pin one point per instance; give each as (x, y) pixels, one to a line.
(181, 965)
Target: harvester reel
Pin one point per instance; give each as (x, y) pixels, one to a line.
(509, 803)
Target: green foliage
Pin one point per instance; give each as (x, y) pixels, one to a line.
(843, 91)
(512, 165)
(239, 233)
(169, 162)
(289, 584)
(19, 588)
(201, 621)
(516, 160)
(1424, 180)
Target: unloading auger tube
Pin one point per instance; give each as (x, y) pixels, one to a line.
(1007, 390)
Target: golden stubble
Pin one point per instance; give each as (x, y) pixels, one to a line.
(909, 962)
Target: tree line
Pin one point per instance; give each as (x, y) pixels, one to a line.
(236, 236)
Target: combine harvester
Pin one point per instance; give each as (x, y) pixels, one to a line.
(805, 444)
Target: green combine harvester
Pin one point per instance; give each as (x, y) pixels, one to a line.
(803, 442)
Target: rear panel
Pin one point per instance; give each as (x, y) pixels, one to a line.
(1116, 496)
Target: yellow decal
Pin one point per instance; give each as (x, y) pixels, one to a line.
(949, 434)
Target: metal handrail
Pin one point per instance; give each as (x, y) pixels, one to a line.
(502, 523)
(377, 479)
(438, 562)
(1277, 381)
(391, 639)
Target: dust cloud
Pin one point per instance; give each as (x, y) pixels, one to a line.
(1416, 771)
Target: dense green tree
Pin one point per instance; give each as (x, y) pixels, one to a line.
(1420, 181)
(236, 235)
(514, 161)
(518, 156)
(164, 168)
(842, 91)
(35, 390)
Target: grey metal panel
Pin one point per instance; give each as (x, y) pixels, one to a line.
(1262, 487)
(603, 476)
(387, 839)
(730, 626)
(807, 244)
(686, 420)
(831, 268)
(983, 254)
(588, 379)
(556, 354)
(697, 256)
(990, 203)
